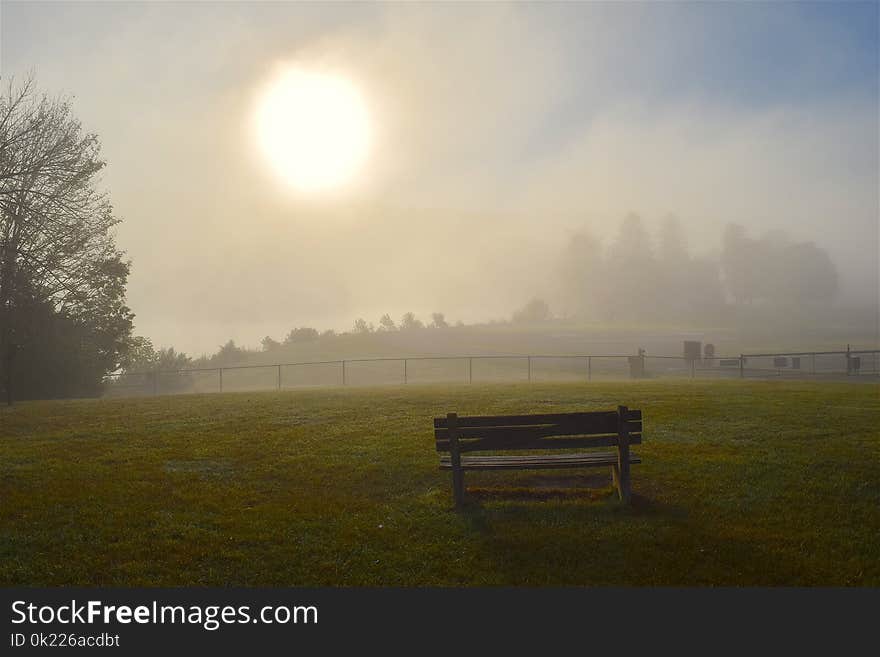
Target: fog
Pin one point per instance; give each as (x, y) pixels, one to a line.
(499, 133)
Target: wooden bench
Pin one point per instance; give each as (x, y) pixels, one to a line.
(548, 432)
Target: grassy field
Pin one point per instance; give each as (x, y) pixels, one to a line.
(742, 483)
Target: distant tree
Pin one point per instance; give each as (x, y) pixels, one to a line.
(534, 312)
(632, 272)
(817, 278)
(739, 256)
(795, 272)
(140, 355)
(689, 287)
(702, 291)
(438, 321)
(329, 333)
(168, 360)
(673, 246)
(386, 323)
(775, 269)
(228, 354)
(672, 276)
(409, 323)
(361, 326)
(270, 344)
(304, 334)
(459, 324)
(633, 241)
(583, 275)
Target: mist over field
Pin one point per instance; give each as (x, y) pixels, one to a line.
(446, 295)
(502, 136)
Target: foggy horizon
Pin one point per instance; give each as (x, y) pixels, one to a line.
(496, 133)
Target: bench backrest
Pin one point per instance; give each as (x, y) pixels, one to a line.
(546, 431)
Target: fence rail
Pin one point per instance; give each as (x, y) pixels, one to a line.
(494, 368)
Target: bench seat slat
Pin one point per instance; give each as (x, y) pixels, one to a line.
(603, 425)
(530, 420)
(537, 462)
(501, 443)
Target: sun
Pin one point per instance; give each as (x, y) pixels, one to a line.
(314, 130)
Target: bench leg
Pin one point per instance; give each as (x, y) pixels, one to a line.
(623, 488)
(458, 486)
(622, 482)
(625, 480)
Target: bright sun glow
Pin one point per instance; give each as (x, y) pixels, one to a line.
(314, 129)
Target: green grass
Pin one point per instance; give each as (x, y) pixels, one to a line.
(742, 483)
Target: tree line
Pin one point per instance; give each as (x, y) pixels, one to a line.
(142, 356)
(635, 277)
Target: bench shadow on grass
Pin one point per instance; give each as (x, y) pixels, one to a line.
(664, 546)
(595, 489)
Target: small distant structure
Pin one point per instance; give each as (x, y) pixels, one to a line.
(637, 365)
(709, 353)
(853, 363)
(693, 350)
(693, 354)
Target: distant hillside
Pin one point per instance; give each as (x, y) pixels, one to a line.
(552, 338)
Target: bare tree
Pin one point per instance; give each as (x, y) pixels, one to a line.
(270, 344)
(582, 273)
(438, 320)
(361, 327)
(386, 323)
(56, 239)
(534, 312)
(409, 322)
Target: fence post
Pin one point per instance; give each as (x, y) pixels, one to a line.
(343, 372)
(742, 360)
(589, 368)
(221, 379)
(404, 371)
(529, 359)
(279, 377)
(470, 370)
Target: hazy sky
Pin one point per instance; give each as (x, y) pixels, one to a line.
(497, 130)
